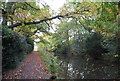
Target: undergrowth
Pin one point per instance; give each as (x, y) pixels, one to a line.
(52, 62)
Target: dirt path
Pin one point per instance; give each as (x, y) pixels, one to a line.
(32, 68)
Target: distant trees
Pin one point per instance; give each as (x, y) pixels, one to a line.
(92, 31)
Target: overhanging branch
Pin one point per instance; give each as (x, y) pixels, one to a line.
(37, 22)
(31, 6)
(68, 15)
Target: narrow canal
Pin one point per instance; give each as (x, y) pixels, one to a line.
(81, 68)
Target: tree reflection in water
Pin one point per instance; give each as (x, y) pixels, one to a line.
(79, 68)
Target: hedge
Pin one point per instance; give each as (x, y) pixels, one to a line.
(15, 48)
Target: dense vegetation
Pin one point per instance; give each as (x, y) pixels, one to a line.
(94, 32)
(51, 61)
(15, 48)
(81, 28)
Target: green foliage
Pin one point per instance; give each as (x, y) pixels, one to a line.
(70, 37)
(51, 61)
(94, 47)
(30, 44)
(82, 19)
(61, 49)
(15, 48)
(93, 18)
(24, 12)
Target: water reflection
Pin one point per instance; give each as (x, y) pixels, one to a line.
(79, 68)
(70, 71)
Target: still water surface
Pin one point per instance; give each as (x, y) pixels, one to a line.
(81, 68)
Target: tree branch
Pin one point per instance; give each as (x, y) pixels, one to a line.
(68, 15)
(3, 11)
(31, 6)
(37, 22)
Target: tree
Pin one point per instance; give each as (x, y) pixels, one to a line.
(94, 47)
(77, 21)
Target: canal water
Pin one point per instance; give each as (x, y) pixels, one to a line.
(81, 68)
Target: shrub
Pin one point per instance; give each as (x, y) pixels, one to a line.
(52, 63)
(30, 45)
(15, 48)
(94, 47)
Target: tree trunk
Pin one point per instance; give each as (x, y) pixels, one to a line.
(4, 16)
(7, 10)
(68, 44)
(118, 32)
